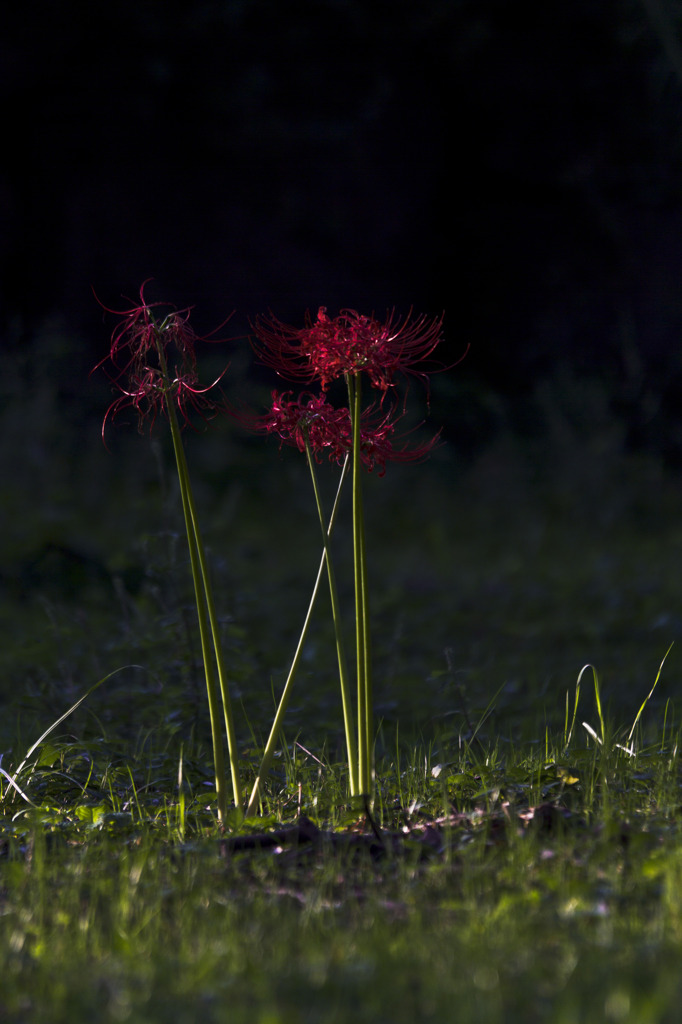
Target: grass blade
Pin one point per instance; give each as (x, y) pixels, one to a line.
(648, 698)
(13, 780)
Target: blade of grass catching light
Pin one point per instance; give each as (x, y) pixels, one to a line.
(59, 721)
(577, 700)
(568, 733)
(13, 784)
(486, 714)
(588, 728)
(650, 695)
(597, 697)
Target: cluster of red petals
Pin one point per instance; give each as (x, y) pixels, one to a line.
(148, 393)
(152, 360)
(310, 420)
(307, 420)
(379, 446)
(347, 344)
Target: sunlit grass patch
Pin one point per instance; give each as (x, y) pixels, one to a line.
(524, 881)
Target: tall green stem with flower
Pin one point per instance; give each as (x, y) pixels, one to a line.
(197, 562)
(143, 340)
(362, 627)
(350, 346)
(206, 608)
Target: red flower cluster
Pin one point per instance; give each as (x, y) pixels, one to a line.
(344, 346)
(155, 370)
(348, 344)
(158, 356)
(310, 419)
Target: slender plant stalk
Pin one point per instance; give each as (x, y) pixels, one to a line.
(271, 744)
(362, 634)
(208, 623)
(207, 654)
(368, 782)
(346, 699)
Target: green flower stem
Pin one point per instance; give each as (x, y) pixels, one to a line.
(346, 700)
(206, 613)
(203, 576)
(271, 744)
(204, 631)
(362, 633)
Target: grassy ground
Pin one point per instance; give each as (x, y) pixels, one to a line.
(522, 870)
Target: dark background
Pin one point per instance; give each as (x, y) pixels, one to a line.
(516, 165)
(513, 165)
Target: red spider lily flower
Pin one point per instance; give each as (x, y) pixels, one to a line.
(328, 431)
(348, 344)
(308, 419)
(158, 355)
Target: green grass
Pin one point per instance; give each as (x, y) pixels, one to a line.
(533, 879)
(531, 884)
